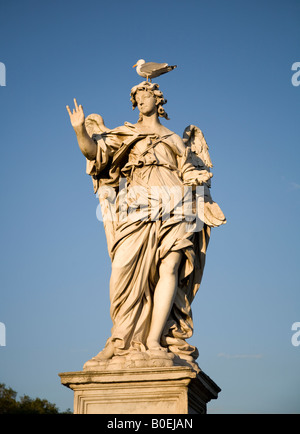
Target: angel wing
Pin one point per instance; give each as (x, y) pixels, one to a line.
(107, 200)
(194, 139)
(95, 126)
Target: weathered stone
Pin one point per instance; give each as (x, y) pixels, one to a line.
(161, 390)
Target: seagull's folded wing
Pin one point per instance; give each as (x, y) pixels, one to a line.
(150, 67)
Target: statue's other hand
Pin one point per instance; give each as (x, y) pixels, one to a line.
(198, 178)
(77, 117)
(204, 176)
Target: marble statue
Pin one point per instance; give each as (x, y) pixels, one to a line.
(143, 173)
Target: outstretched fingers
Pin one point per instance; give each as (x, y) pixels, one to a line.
(76, 105)
(76, 109)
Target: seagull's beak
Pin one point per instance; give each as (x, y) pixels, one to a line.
(134, 65)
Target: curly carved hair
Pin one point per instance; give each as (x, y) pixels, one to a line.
(153, 88)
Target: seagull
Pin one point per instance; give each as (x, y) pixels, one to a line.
(151, 69)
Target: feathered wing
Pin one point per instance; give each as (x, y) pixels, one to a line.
(195, 140)
(95, 127)
(107, 199)
(156, 69)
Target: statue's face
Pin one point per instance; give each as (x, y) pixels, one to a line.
(146, 102)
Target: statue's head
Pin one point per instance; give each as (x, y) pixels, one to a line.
(145, 88)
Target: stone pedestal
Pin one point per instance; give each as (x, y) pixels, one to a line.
(161, 390)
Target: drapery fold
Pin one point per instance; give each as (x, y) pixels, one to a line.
(149, 231)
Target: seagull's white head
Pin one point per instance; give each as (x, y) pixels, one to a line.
(140, 62)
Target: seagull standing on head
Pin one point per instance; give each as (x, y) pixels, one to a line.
(151, 69)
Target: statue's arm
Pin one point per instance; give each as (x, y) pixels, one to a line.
(86, 144)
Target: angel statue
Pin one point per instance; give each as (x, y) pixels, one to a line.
(157, 257)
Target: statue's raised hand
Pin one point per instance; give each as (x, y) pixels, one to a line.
(77, 117)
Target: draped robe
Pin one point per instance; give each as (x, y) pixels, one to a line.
(149, 231)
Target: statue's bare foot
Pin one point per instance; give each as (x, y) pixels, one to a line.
(102, 357)
(154, 345)
(106, 353)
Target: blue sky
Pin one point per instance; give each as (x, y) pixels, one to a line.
(233, 81)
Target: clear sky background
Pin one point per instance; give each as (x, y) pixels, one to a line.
(234, 82)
